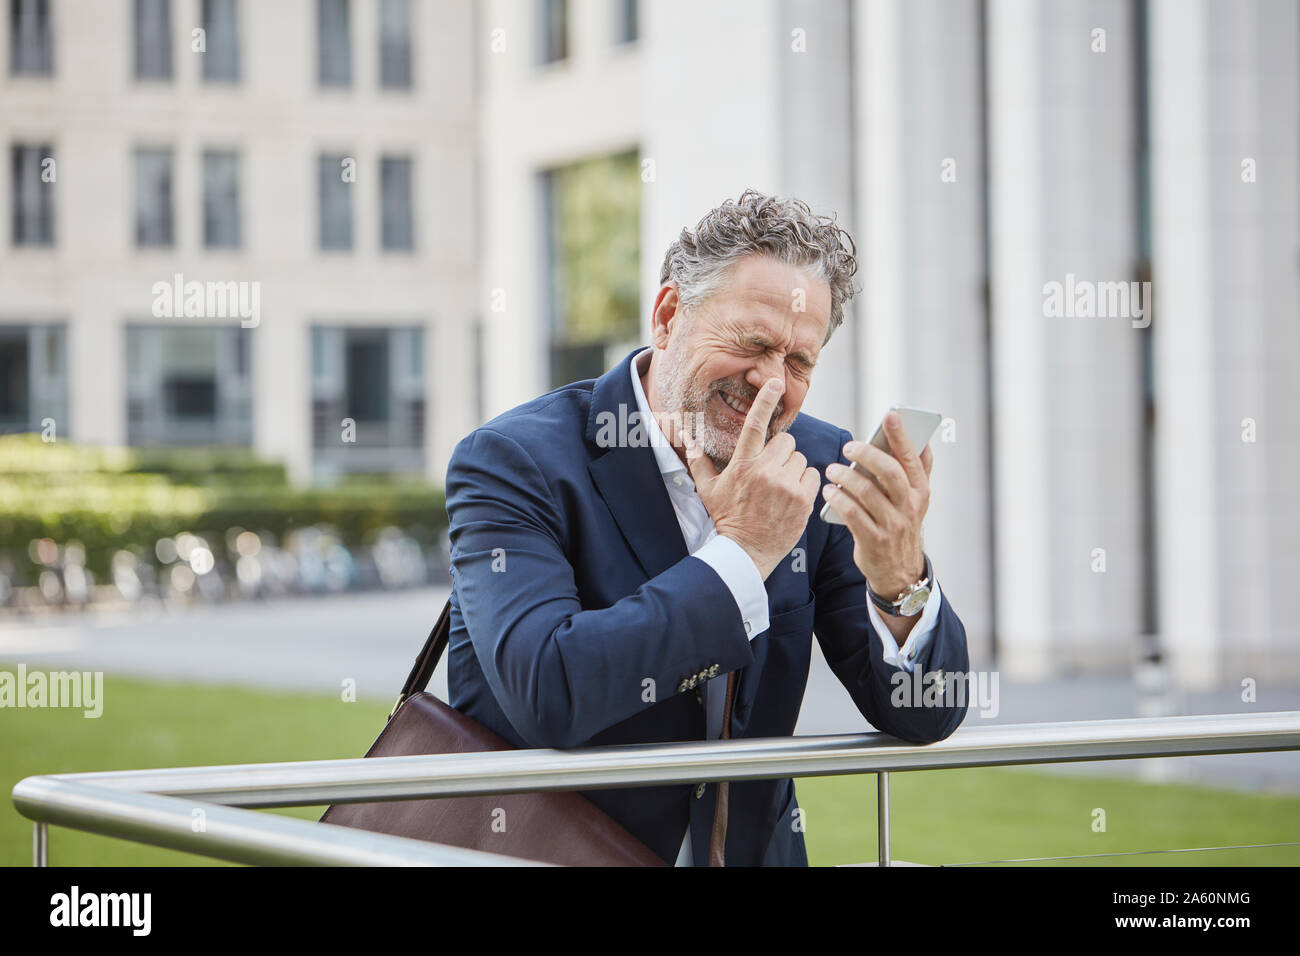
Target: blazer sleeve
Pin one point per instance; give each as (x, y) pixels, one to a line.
(560, 672)
(856, 655)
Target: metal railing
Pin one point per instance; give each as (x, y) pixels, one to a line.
(198, 809)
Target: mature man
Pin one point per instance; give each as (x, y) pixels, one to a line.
(640, 557)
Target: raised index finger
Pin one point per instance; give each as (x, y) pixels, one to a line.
(753, 434)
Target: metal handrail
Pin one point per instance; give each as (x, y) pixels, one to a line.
(242, 836)
(157, 806)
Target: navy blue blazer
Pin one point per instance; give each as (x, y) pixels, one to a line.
(572, 586)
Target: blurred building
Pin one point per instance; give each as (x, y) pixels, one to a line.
(1109, 485)
(309, 164)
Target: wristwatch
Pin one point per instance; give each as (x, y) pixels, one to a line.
(910, 601)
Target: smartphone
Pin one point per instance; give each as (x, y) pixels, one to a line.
(920, 425)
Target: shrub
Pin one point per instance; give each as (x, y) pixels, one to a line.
(125, 499)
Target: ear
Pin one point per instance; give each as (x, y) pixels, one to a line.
(667, 308)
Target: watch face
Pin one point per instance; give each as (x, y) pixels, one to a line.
(914, 601)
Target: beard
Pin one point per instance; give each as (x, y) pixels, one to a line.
(689, 406)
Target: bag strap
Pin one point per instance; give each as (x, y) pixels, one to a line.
(430, 654)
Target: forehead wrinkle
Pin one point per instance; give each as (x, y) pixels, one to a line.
(787, 318)
(756, 324)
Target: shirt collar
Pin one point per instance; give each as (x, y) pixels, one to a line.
(664, 455)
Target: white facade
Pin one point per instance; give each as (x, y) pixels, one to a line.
(1226, 238)
(1067, 390)
(979, 152)
(95, 280)
(1107, 486)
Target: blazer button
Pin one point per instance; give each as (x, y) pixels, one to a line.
(699, 791)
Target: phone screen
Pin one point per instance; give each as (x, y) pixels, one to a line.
(920, 425)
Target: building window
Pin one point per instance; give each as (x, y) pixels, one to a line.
(15, 397)
(31, 46)
(153, 197)
(592, 213)
(365, 369)
(153, 32)
(334, 43)
(33, 378)
(220, 199)
(554, 34)
(368, 404)
(395, 185)
(32, 195)
(221, 32)
(395, 44)
(626, 27)
(188, 385)
(335, 195)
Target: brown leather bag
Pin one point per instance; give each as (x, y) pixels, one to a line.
(550, 826)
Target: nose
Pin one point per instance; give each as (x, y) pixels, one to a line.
(767, 367)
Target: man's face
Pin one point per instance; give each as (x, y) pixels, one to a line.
(718, 354)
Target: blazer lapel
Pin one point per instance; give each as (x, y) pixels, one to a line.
(627, 475)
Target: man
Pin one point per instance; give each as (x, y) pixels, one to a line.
(640, 557)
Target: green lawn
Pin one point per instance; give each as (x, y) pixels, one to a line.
(1005, 813)
(938, 817)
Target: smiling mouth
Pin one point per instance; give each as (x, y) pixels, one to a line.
(738, 406)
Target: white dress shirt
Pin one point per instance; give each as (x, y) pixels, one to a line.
(741, 575)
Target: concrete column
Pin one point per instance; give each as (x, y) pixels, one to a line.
(814, 49)
(711, 116)
(921, 317)
(1066, 388)
(1224, 218)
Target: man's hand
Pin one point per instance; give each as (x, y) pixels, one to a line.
(885, 519)
(763, 498)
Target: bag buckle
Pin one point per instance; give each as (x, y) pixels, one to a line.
(400, 698)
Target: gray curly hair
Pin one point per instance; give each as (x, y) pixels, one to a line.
(785, 229)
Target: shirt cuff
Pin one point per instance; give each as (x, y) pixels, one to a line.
(917, 639)
(740, 574)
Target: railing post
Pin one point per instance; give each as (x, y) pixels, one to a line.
(882, 816)
(40, 844)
